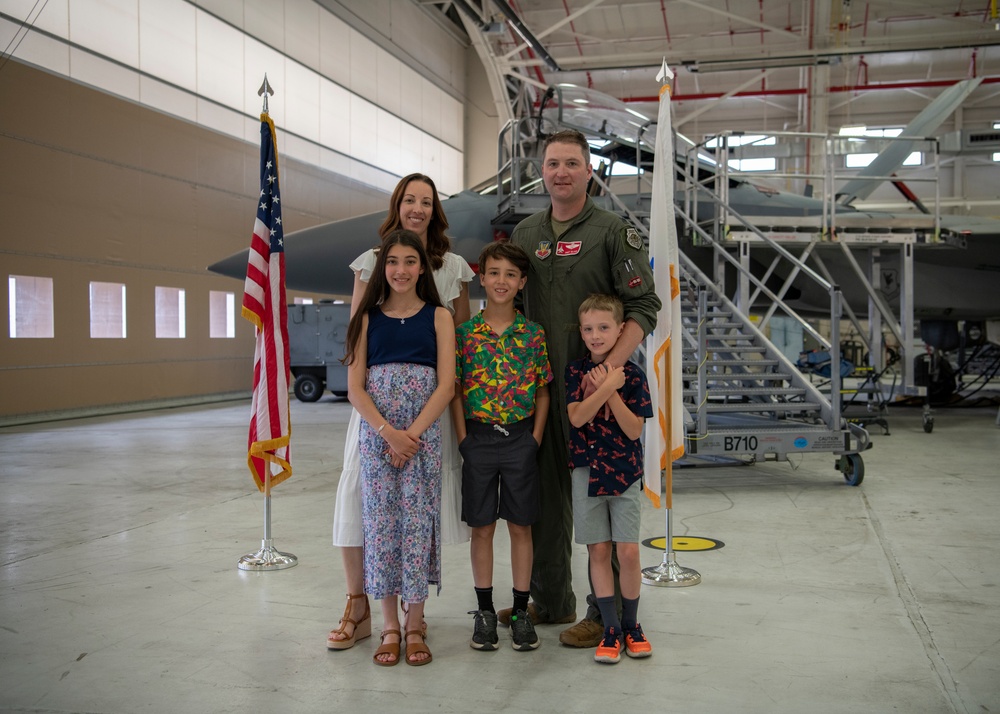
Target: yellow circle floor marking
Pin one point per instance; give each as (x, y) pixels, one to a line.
(685, 543)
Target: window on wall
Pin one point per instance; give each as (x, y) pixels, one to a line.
(862, 159)
(30, 306)
(761, 164)
(742, 140)
(859, 161)
(221, 314)
(107, 310)
(170, 312)
(884, 133)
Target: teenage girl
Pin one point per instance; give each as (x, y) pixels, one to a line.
(415, 206)
(401, 375)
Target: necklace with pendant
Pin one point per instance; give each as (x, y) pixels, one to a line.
(402, 318)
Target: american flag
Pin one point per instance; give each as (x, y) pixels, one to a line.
(665, 432)
(264, 306)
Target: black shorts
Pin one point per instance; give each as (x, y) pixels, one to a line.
(499, 473)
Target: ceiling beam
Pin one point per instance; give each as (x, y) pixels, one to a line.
(569, 18)
(711, 105)
(701, 7)
(806, 57)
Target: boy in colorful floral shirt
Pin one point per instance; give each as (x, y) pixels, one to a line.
(501, 402)
(606, 459)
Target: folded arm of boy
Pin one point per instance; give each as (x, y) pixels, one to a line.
(607, 381)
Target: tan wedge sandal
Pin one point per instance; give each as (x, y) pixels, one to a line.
(361, 629)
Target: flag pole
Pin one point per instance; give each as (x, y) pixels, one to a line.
(268, 557)
(667, 443)
(669, 573)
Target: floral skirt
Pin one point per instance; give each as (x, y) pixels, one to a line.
(347, 528)
(401, 508)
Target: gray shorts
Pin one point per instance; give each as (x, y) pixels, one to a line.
(599, 519)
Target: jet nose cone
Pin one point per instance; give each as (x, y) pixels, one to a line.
(235, 266)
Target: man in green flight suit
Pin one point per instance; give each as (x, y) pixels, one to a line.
(575, 249)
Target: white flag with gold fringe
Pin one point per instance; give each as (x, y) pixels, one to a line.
(665, 432)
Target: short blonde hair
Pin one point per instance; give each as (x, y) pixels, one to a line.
(606, 303)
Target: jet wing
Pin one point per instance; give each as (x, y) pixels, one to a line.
(317, 259)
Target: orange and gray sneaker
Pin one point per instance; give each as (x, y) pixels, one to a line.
(636, 644)
(610, 649)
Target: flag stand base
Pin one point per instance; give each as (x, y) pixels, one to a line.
(669, 574)
(267, 558)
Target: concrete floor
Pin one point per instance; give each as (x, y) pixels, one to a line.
(120, 591)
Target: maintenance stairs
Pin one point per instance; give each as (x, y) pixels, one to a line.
(745, 398)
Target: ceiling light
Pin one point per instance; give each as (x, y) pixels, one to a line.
(750, 63)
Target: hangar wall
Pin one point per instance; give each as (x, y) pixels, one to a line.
(97, 188)
(374, 103)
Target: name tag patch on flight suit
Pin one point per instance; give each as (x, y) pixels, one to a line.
(568, 247)
(544, 249)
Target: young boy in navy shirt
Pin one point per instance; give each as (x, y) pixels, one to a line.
(501, 401)
(606, 458)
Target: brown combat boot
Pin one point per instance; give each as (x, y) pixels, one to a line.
(585, 633)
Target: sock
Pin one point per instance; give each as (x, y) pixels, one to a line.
(630, 613)
(609, 613)
(520, 600)
(485, 598)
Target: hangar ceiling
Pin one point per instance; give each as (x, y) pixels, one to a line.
(792, 65)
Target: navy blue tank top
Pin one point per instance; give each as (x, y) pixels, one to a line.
(414, 341)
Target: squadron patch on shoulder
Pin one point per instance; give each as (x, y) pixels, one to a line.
(633, 238)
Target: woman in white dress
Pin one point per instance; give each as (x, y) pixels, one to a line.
(415, 206)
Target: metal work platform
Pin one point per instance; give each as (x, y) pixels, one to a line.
(747, 399)
(860, 229)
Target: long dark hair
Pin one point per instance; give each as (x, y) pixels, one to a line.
(437, 242)
(378, 287)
